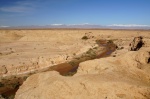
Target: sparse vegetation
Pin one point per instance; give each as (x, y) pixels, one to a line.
(70, 73)
(74, 54)
(99, 41)
(122, 47)
(9, 97)
(91, 52)
(110, 41)
(77, 58)
(25, 77)
(84, 38)
(72, 63)
(114, 55)
(15, 85)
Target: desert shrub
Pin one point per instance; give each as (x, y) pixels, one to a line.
(110, 41)
(70, 73)
(89, 51)
(72, 63)
(122, 47)
(77, 58)
(15, 85)
(84, 38)
(74, 54)
(25, 77)
(98, 41)
(5, 96)
(114, 55)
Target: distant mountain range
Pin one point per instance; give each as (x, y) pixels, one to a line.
(80, 26)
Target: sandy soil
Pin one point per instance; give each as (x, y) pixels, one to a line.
(28, 51)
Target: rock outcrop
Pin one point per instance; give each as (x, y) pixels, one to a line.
(136, 44)
(106, 78)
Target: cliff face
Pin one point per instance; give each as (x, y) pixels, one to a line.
(106, 78)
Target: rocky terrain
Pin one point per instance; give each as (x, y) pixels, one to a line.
(106, 78)
(124, 74)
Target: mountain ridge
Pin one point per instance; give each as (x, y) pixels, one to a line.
(80, 26)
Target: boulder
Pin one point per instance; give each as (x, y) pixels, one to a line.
(136, 44)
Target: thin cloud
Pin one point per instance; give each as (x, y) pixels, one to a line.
(21, 6)
(56, 24)
(130, 25)
(4, 26)
(70, 24)
(79, 24)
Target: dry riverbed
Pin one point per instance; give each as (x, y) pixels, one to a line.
(26, 52)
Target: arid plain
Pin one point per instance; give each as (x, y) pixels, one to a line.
(41, 64)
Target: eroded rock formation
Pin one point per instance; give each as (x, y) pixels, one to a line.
(106, 78)
(136, 44)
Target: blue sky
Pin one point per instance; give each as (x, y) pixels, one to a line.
(102, 12)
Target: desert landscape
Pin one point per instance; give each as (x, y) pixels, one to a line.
(74, 49)
(73, 64)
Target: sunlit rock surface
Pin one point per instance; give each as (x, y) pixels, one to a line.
(106, 78)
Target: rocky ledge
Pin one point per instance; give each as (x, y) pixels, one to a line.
(126, 76)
